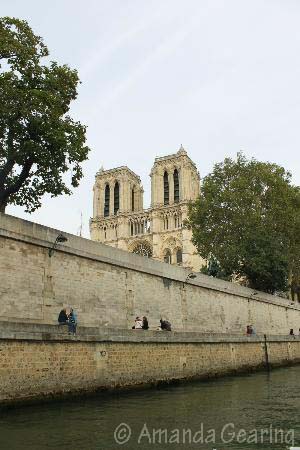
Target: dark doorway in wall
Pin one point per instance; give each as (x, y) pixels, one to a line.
(179, 256)
(168, 257)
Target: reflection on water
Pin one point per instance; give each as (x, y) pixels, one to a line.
(190, 414)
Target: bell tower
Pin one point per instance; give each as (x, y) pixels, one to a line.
(174, 179)
(117, 191)
(159, 232)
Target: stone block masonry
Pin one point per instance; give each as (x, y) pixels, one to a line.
(39, 362)
(110, 287)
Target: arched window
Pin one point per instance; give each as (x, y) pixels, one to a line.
(176, 186)
(179, 256)
(166, 188)
(106, 200)
(116, 198)
(132, 199)
(167, 257)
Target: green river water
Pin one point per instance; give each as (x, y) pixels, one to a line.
(227, 413)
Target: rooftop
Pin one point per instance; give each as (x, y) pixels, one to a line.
(181, 152)
(102, 172)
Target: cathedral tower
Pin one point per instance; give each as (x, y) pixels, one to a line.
(119, 219)
(116, 191)
(174, 179)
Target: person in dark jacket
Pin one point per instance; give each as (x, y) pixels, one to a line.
(145, 323)
(165, 325)
(63, 318)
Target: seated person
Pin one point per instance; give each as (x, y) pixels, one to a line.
(145, 323)
(63, 318)
(138, 324)
(165, 325)
(72, 321)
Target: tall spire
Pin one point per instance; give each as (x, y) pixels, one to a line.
(100, 170)
(181, 151)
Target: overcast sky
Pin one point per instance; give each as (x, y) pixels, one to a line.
(215, 76)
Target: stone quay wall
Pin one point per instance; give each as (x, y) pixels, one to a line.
(40, 362)
(109, 287)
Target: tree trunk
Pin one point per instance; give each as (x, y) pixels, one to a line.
(2, 207)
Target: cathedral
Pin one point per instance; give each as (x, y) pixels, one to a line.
(120, 220)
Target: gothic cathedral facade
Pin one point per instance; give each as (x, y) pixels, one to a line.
(120, 220)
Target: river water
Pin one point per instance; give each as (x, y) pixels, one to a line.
(258, 411)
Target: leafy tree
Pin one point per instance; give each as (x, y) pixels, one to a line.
(39, 141)
(247, 219)
(294, 277)
(213, 269)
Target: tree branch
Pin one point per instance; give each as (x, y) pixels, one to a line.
(22, 177)
(5, 171)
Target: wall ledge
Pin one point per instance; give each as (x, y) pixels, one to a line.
(48, 333)
(35, 234)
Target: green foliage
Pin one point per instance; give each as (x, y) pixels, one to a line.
(40, 144)
(213, 269)
(247, 218)
(294, 278)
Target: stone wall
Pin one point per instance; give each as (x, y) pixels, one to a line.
(39, 362)
(110, 287)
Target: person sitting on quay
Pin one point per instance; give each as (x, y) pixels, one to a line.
(72, 321)
(292, 332)
(138, 324)
(250, 330)
(145, 323)
(165, 325)
(63, 317)
(69, 319)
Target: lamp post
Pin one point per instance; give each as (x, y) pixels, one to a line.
(59, 239)
(191, 276)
